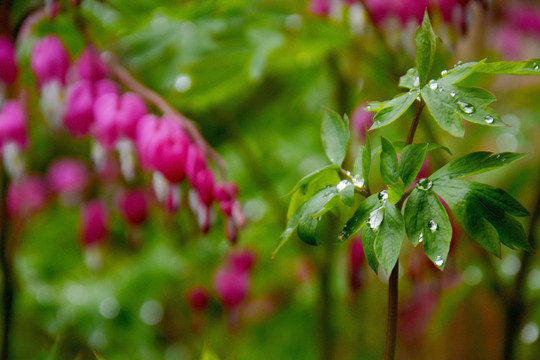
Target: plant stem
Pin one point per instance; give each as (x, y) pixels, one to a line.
(7, 269)
(393, 288)
(515, 305)
(326, 264)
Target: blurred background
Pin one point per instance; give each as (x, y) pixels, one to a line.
(254, 75)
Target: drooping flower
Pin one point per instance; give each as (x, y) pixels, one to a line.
(133, 206)
(242, 260)
(231, 286)
(90, 66)
(68, 177)
(26, 196)
(8, 64)
(198, 298)
(360, 119)
(357, 260)
(13, 125)
(94, 223)
(50, 60)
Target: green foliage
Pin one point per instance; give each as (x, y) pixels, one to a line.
(426, 45)
(335, 136)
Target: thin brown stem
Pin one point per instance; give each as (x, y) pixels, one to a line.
(7, 269)
(393, 289)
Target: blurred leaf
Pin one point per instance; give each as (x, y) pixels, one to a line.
(313, 176)
(426, 221)
(366, 159)
(335, 136)
(208, 354)
(475, 163)
(410, 79)
(426, 45)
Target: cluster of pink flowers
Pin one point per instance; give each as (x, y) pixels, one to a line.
(81, 99)
(232, 280)
(520, 28)
(452, 11)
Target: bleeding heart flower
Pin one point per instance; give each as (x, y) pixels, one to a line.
(26, 196)
(94, 223)
(50, 60)
(8, 64)
(133, 205)
(231, 286)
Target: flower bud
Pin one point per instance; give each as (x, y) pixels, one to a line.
(94, 223)
(242, 260)
(13, 124)
(90, 66)
(8, 65)
(231, 286)
(68, 177)
(26, 196)
(49, 60)
(198, 298)
(133, 206)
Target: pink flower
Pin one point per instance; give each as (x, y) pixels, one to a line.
(13, 124)
(242, 260)
(319, 7)
(357, 260)
(198, 298)
(231, 286)
(146, 129)
(26, 196)
(90, 66)
(380, 10)
(195, 162)
(68, 176)
(523, 17)
(411, 10)
(8, 65)
(79, 115)
(360, 119)
(133, 205)
(204, 183)
(94, 223)
(49, 60)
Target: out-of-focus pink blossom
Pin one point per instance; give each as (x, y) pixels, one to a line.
(242, 260)
(523, 17)
(90, 66)
(133, 205)
(13, 124)
(231, 286)
(411, 10)
(172, 201)
(50, 60)
(320, 7)
(360, 119)
(8, 65)
(198, 298)
(146, 129)
(81, 96)
(416, 313)
(94, 223)
(195, 162)
(68, 176)
(357, 260)
(52, 7)
(26, 196)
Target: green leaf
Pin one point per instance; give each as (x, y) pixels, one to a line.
(335, 136)
(307, 231)
(368, 243)
(357, 168)
(389, 236)
(475, 163)
(393, 109)
(395, 191)
(426, 45)
(313, 176)
(400, 145)
(410, 162)
(307, 189)
(484, 212)
(449, 103)
(375, 106)
(359, 217)
(389, 162)
(460, 72)
(304, 215)
(410, 79)
(208, 354)
(527, 67)
(366, 160)
(345, 190)
(426, 221)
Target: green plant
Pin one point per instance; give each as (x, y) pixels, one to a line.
(487, 214)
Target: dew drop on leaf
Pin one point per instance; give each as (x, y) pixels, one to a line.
(342, 185)
(439, 261)
(424, 184)
(433, 85)
(444, 72)
(416, 82)
(432, 225)
(375, 218)
(466, 108)
(453, 94)
(421, 238)
(383, 195)
(488, 119)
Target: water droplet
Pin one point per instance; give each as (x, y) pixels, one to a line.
(424, 184)
(342, 185)
(439, 261)
(418, 98)
(368, 107)
(383, 195)
(421, 238)
(432, 225)
(182, 83)
(440, 89)
(466, 108)
(410, 71)
(358, 181)
(444, 72)
(535, 66)
(489, 119)
(453, 94)
(459, 63)
(433, 85)
(375, 218)
(416, 82)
